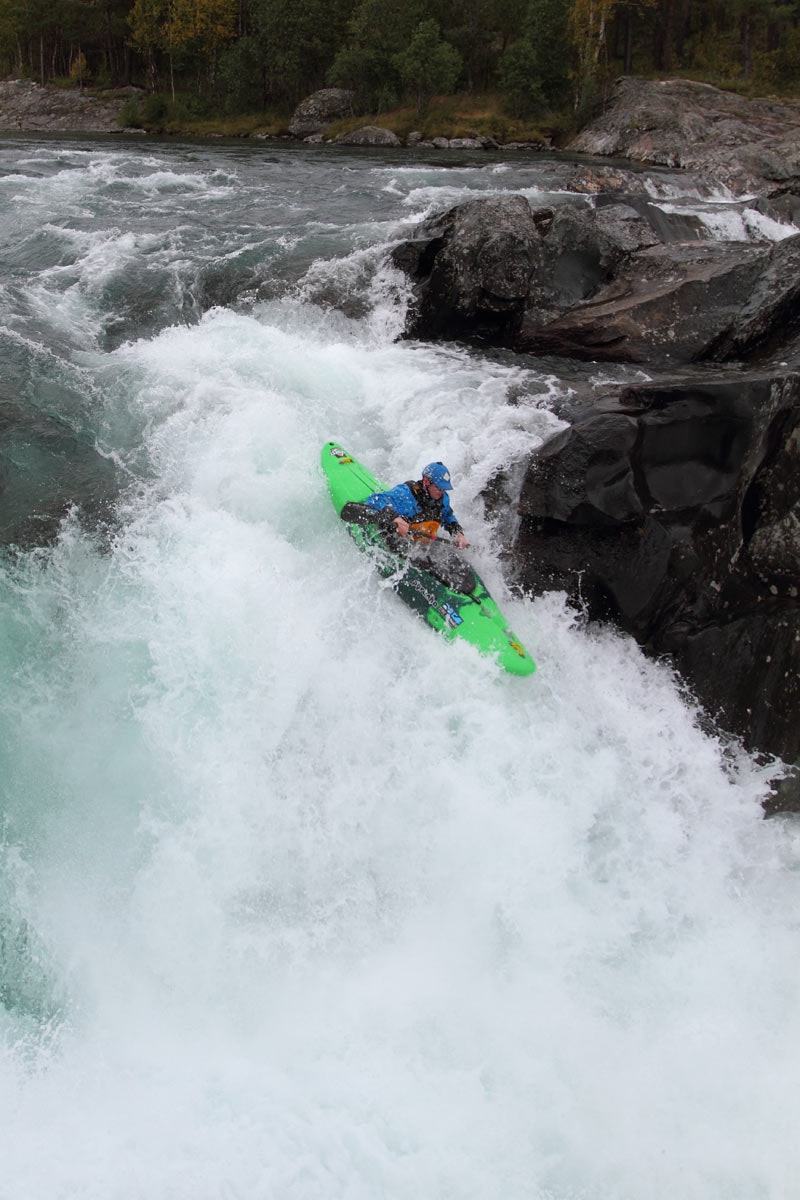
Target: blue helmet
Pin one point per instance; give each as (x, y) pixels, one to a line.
(439, 476)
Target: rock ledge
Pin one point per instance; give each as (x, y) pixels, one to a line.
(29, 108)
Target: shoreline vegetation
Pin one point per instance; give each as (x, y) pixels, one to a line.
(448, 116)
(25, 106)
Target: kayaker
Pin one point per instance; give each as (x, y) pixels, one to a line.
(416, 509)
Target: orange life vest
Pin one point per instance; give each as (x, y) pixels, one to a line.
(424, 527)
(423, 531)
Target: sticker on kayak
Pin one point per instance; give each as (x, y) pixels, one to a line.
(514, 644)
(450, 616)
(342, 455)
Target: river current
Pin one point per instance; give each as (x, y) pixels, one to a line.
(297, 900)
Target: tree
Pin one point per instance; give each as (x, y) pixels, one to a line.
(201, 25)
(479, 30)
(534, 70)
(429, 65)
(546, 28)
(378, 31)
(147, 20)
(518, 78)
(588, 24)
(629, 17)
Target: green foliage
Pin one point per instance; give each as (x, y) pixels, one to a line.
(533, 73)
(786, 59)
(241, 81)
(428, 65)
(480, 30)
(79, 69)
(546, 28)
(151, 113)
(519, 79)
(543, 56)
(291, 38)
(378, 32)
(367, 72)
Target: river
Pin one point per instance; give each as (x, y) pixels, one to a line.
(299, 901)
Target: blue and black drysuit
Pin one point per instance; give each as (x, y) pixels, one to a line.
(409, 501)
(424, 514)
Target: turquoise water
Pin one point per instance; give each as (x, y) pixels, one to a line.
(298, 900)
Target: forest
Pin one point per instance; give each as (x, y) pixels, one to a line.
(535, 56)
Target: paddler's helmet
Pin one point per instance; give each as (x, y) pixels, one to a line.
(439, 476)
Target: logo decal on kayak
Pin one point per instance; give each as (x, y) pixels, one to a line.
(450, 616)
(341, 454)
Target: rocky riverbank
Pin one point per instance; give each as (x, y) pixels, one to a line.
(747, 145)
(26, 107)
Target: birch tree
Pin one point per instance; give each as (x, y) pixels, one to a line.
(588, 26)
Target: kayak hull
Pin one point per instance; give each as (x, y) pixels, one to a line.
(433, 581)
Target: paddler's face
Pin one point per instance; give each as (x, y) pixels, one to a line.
(432, 490)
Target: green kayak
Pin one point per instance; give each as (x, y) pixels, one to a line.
(435, 580)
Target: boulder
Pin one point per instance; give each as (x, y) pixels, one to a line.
(595, 180)
(666, 304)
(472, 269)
(745, 145)
(583, 247)
(369, 135)
(317, 111)
(612, 280)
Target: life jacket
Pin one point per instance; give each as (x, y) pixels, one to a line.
(425, 525)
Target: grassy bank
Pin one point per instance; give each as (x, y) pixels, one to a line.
(445, 116)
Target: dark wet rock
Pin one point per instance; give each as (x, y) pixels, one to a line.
(582, 249)
(472, 269)
(317, 111)
(667, 304)
(673, 511)
(772, 517)
(610, 280)
(667, 226)
(369, 135)
(768, 317)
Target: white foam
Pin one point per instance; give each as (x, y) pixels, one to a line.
(333, 907)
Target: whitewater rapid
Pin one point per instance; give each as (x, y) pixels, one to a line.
(300, 901)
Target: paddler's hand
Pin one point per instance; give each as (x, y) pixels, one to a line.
(460, 541)
(402, 526)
